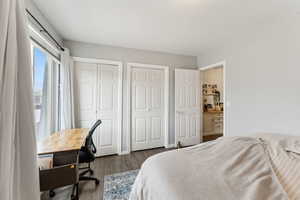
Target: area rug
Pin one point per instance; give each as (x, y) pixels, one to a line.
(118, 186)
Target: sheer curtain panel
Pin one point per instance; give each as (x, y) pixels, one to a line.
(66, 98)
(18, 166)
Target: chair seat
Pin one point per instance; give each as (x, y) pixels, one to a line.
(85, 157)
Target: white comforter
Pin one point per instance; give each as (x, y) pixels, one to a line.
(230, 168)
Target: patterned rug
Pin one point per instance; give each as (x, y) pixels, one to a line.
(118, 186)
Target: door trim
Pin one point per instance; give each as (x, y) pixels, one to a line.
(166, 100)
(120, 93)
(225, 113)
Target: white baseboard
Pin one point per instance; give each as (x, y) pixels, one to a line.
(166, 146)
(124, 153)
(170, 146)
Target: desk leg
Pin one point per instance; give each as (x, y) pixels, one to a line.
(62, 158)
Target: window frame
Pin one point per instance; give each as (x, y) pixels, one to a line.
(51, 59)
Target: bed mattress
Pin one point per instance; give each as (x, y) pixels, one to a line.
(230, 168)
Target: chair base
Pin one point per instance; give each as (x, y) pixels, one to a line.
(82, 176)
(51, 193)
(89, 170)
(88, 178)
(75, 192)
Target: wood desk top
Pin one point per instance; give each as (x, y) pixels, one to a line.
(65, 140)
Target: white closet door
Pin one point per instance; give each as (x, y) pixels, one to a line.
(96, 97)
(106, 135)
(187, 106)
(147, 108)
(85, 92)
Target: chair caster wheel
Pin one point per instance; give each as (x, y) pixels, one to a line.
(97, 182)
(51, 193)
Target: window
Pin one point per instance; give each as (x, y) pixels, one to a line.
(45, 70)
(39, 70)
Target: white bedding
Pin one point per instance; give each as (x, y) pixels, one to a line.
(230, 168)
(287, 169)
(284, 153)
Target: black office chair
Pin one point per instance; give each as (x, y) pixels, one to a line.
(87, 155)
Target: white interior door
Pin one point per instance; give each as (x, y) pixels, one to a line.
(187, 107)
(147, 113)
(106, 135)
(96, 97)
(85, 92)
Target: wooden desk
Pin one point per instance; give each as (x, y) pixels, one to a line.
(64, 146)
(63, 141)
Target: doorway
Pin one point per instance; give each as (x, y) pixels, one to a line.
(213, 99)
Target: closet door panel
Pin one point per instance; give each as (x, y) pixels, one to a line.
(147, 88)
(107, 109)
(156, 128)
(106, 136)
(156, 107)
(140, 130)
(140, 100)
(187, 106)
(85, 92)
(96, 97)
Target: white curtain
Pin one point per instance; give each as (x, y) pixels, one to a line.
(49, 108)
(18, 166)
(66, 101)
(43, 129)
(55, 97)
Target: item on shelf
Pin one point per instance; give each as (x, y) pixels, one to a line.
(209, 107)
(222, 106)
(205, 108)
(209, 100)
(217, 97)
(217, 107)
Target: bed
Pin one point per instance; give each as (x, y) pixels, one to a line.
(230, 168)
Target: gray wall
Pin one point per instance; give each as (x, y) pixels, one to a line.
(262, 79)
(126, 55)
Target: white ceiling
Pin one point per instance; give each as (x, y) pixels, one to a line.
(176, 26)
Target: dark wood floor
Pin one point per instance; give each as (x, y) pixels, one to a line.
(105, 166)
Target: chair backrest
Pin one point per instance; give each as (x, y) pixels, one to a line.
(89, 143)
